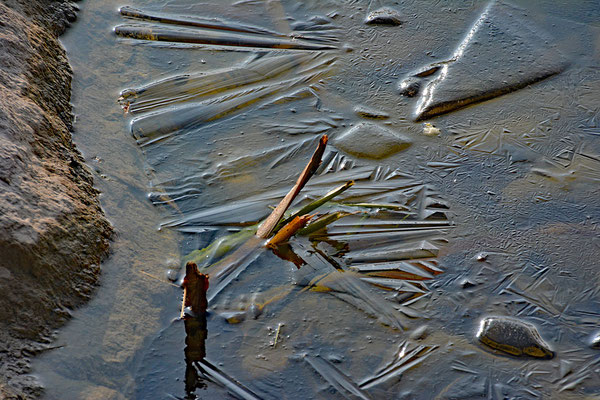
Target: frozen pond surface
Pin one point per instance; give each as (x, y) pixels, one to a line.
(462, 262)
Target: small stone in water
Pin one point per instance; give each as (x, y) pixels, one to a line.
(420, 333)
(172, 275)
(595, 341)
(335, 358)
(410, 86)
(513, 337)
(466, 283)
(254, 310)
(234, 317)
(383, 16)
(366, 112)
(173, 266)
(370, 140)
(565, 367)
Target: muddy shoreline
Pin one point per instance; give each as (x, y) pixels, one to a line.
(53, 234)
(466, 253)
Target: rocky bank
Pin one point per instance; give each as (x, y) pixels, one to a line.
(53, 234)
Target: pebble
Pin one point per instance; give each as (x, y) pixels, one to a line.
(172, 275)
(369, 140)
(370, 113)
(384, 16)
(420, 333)
(514, 337)
(595, 341)
(410, 86)
(466, 283)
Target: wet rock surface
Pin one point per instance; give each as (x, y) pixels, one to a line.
(52, 232)
(514, 337)
(595, 341)
(410, 86)
(383, 16)
(381, 142)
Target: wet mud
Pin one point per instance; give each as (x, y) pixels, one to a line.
(53, 234)
(454, 254)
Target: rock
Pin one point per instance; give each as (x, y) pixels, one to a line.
(420, 333)
(234, 317)
(514, 337)
(53, 235)
(370, 113)
(410, 86)
(565, 367)
(383, 16)
(370, 140)
(173, 266)
(466, 283)
(501, 53)
(481, 257)
(595, 340)
(335, 358)
(172, 275)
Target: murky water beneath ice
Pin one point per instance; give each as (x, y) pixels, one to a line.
(494, 215)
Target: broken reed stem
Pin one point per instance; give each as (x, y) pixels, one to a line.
(279, 325)
(195, 286)
(323, 222)
(289, 230)
(317, 203)
(264, 231)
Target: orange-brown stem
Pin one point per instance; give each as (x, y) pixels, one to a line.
(289, 230)
(267, 227)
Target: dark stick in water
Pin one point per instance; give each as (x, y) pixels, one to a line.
(214, 37)
(134, 13)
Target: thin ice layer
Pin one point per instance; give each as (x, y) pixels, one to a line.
(499, 54)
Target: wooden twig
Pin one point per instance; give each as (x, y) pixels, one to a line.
(195, 286)
(279, 325)
(157, 278)
(264, 231)
(323, 222)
